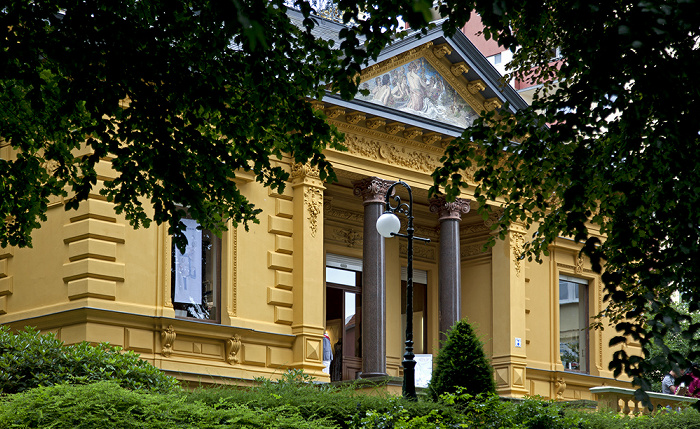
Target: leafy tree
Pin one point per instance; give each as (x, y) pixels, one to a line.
(461, 365)
(180, 95)
(606, 149)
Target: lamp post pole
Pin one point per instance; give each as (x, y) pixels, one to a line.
(388, 225)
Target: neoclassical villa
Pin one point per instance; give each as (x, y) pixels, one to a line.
(314, 270)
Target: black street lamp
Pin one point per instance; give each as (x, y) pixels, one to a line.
(388, 226)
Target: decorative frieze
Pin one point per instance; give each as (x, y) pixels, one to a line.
(346, 236)
(392, 154)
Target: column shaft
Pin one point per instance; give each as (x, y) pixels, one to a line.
(373, 191)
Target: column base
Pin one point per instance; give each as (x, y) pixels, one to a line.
(373, 374)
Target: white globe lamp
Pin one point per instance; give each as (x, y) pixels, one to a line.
(388, 224)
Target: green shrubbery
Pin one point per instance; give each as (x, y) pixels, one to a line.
(461, 363)
(295, 403)
(30, 359)
(107, 405)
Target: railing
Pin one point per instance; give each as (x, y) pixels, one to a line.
(623, 400)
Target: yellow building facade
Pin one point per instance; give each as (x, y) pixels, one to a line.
(256, 303)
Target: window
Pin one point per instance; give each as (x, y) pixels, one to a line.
(497, 58)
(196, 275)
(573, 323)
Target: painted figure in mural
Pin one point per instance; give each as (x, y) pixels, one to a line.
(417, 87)
(401, 93)
(382, 92)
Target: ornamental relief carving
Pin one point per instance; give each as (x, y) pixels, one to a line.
(400, 156)
(344, 215)
(300, 171)
(471, 250)
(419, 251)
(168, 337)
(393, 134)
(233, 347)
(313, 200)
(345, 236)
(517, 241)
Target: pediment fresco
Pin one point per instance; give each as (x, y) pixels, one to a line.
(417, 88)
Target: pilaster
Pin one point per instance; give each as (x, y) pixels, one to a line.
(509, 324)
(308, 284)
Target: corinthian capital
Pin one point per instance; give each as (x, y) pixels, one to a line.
(449, 209)
(371, 189)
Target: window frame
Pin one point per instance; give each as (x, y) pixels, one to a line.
(216, 277)
(583, 300)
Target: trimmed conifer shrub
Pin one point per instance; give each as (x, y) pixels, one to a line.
(30, 359)
(461, 362)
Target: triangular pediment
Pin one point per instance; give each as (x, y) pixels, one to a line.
(422, 82)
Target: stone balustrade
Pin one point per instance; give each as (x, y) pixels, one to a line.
(624, 401)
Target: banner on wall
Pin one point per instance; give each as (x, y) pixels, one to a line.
(188, 266)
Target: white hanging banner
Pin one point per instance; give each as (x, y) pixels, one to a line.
(188, 266)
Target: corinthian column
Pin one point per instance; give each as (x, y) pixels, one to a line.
(373, 191)
(449, 291)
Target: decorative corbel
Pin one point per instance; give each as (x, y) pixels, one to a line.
(431, 138)
(233, 347)
(168, 336)
(412, 133)
(442, 50)
(492, 104)
(334, 112)
(476, 86)
(354, 118)
(458, 69)
(394, 128)
(375, 123)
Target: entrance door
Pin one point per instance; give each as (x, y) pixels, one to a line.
(344, 321)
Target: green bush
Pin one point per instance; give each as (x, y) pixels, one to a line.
(107, 405)
(461, 362)
(30, 359)
(343, 406)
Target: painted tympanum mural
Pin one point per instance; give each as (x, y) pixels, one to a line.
(418, 88)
